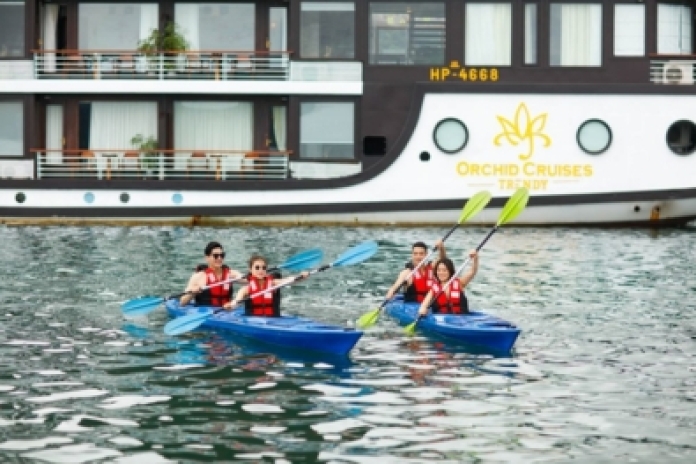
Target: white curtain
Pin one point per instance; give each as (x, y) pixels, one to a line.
(530, 33)
(629, 30)
(580, 34)
(186, 16)
(488, 34)
(50, 23)
(113, 124)
(200, 126)
(673, 29)
(148, 19)
(280, 127)
(54, 133)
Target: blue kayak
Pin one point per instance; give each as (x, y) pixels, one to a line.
(286, 331)
(474, 328)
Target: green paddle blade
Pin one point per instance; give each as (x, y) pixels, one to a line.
(411, 328)
(475, 204)
(368, 319)
(514, 206)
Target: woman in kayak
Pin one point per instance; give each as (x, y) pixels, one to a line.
(265, 304)
(213, 274)
(452, 300)
(418, 284)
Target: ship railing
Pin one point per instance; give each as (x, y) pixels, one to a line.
(205, 65)
(673, 70)
(213, 165)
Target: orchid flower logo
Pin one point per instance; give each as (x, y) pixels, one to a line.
(523, 128)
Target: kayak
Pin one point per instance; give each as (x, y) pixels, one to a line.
(474, 328)
(286, 331)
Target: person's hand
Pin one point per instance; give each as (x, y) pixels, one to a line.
(231, 305)
(423, 312)
(438, 244)
(390, 294)
(473, 254)
(304, 275)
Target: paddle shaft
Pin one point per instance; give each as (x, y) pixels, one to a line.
(216, 284)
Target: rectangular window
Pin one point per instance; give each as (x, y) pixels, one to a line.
(327, 30)
(629, 30)
(11, 129)
(115, 26)
(327, 130)
(576, 34)
(407, 33)
(673, 29)
(11, 28)
(488, 34)
(217, 26)
(530, 33)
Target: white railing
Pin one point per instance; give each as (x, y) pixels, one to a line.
(673, 72)
(228, 65)
(161, 164)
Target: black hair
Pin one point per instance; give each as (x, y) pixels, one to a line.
(448, 264)
(211, 246)
(420, 245)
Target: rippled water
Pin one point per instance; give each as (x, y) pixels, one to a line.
(605, 369)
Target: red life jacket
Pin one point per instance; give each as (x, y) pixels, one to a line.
(218, 295)
(422, 280)
(452, 303)
(265, 305)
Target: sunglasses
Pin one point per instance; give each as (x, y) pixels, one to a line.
(259, 268)
(218, 255)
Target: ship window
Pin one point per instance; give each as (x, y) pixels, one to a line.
(11, 29)
(594, 136)
(217, 26)
(407, 33)
(374, 145)
(11, 128)
(450, 135)
(629, 30)
(327, 30)
(674, 29)
(327, 130)
(681, 137)
(530, 33)
(488, 34)
(114, 26)
(576, 35)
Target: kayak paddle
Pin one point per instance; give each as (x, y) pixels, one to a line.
(513, 207)
(146, 304)
(353, 255)
(471, 208)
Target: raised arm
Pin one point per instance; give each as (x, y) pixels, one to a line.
(440, 245)
(423, 310)
(468, 276)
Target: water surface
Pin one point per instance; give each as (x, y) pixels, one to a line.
(604, 371)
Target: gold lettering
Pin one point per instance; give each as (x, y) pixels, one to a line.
(462, 168)
(445, 73)
(588, 170)
(434, 74)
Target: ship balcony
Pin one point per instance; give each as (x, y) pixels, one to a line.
(673, 71)
(216, 165)
(200, 72)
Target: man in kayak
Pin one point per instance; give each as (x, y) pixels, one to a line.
(418, 284)
(213, 274)
(265, 304)
(453, 299)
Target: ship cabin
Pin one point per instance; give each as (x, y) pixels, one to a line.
(220, 93)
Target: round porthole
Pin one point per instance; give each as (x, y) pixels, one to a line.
(177, 198)
(425, 156)
(125, 198)
(450, 135)
(681, 137)
(594, 136)
(20, 197)
(89, 197)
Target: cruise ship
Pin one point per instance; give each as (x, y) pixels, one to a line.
(346, 112)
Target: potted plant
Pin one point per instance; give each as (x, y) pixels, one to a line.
(147, 146)
(168, 40)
